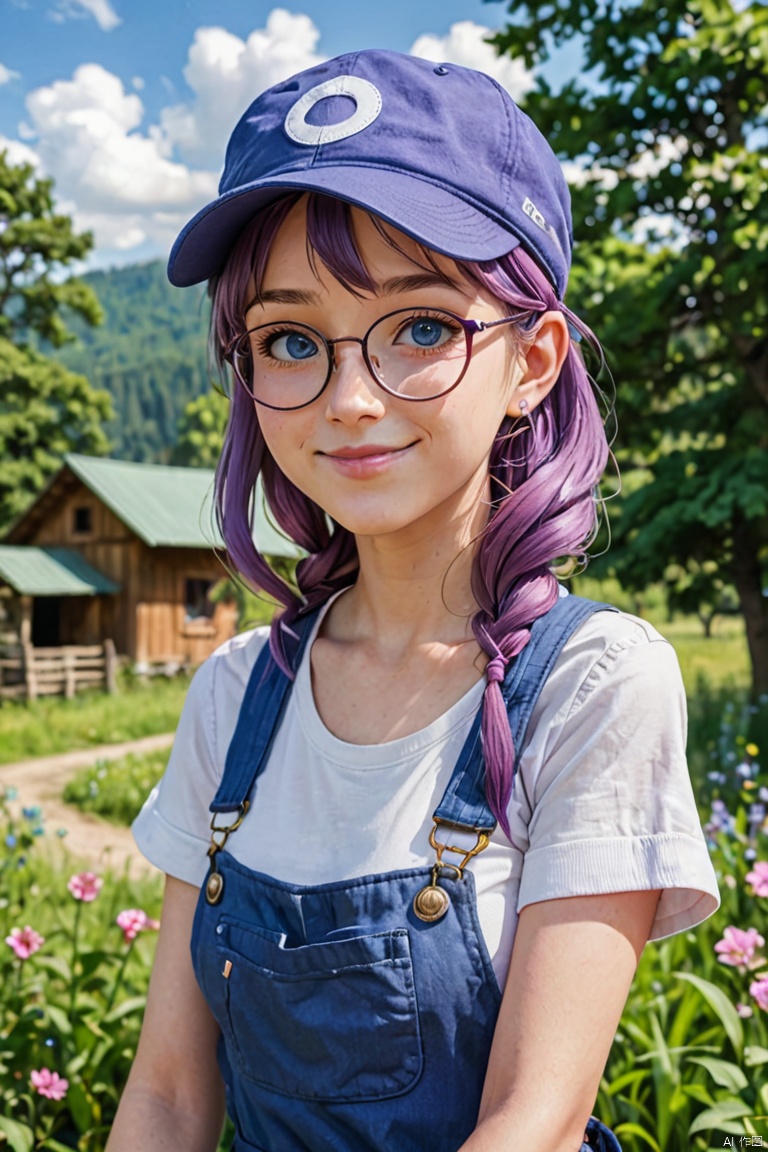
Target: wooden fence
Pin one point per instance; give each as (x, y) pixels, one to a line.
(28, 672)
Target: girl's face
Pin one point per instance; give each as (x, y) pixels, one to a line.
(376, 463)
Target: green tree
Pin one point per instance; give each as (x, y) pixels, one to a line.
(36, 243)
(665, 130)
(201, 431)
(45, 410)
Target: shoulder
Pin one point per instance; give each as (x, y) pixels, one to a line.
(611, 652)
(219, 684)
(230, 665)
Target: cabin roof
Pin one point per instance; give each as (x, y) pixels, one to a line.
(164, 505)
(51, 572)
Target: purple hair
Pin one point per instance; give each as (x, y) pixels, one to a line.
(544, 470)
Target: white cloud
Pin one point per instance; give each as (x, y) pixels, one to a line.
(6, 75)
(18, 153)
(226, 74)
(466, 44)
(135, 184)
(121, 182)
(101, 10)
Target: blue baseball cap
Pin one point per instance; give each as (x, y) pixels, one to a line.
(439, 151)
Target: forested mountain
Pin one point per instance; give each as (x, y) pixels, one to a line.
(149, 354)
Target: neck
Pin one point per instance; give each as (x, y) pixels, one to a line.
(414, 586)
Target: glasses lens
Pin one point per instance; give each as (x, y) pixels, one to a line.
(418, 354)
(282, 365)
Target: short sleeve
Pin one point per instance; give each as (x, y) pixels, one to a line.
(605, 800)
(173, 828)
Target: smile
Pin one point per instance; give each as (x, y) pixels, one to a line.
(365, 459)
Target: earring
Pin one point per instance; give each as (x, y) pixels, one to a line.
(523, 407)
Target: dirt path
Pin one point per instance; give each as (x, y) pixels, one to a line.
(89, 839)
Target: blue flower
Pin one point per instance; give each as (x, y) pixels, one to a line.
(10, 841)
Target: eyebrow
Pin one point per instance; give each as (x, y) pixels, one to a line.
(390, 287)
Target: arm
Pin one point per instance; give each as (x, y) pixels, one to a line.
(572, 965)
(174, 1098)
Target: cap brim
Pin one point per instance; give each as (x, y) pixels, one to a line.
(427, 212)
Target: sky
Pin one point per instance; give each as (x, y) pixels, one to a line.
(128, 104)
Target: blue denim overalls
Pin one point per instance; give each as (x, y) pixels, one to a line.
(357, 1016)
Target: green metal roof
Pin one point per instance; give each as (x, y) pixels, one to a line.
(167, 506)
(50, 572)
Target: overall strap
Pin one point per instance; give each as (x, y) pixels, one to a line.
(464, 801)
(260, 715)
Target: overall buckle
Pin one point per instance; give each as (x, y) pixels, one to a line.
(431, 902)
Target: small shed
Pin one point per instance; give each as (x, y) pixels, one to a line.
(122, 551)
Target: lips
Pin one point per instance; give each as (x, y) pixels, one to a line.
(365, 461)
(362, 451)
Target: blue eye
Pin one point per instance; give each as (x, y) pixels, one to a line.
(427, 333)
(292, 346)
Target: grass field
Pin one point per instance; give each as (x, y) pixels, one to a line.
(46, 727)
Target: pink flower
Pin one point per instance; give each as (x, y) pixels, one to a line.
(737, 948)
(85, 886)
(759, 989)
(744, 1011)
(50, 1084)
(25, 942)
(758, 878)
(132, 921)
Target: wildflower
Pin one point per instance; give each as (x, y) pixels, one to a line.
(61, 833)
(758, 878)
(50, 1084)
(737, 948)
(730, 881)
(32, 814)
(25, 942)
(134, 920)
(752, 750)
(11, 793)
(85, 886)
(759, 989)
(744, 1011)
(10, 840)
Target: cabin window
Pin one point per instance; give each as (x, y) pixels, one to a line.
(197, 602)
(81, 520)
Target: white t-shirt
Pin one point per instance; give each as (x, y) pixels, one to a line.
(602, 800)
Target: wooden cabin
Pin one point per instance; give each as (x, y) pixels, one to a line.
(114, 550)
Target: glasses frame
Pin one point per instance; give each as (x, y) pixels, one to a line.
(471, 329)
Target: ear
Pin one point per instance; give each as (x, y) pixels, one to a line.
(541, 362)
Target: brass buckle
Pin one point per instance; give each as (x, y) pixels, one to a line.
(214, 885)
(483, 840)
(432, 902)
(220, 834)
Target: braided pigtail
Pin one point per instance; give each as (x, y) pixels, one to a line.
(545, 467)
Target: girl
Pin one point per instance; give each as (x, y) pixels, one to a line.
(450, 802)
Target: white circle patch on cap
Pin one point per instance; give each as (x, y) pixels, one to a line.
(365, 95)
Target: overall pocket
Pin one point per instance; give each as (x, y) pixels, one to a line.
(336, 1020)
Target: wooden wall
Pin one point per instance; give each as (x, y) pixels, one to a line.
(147, 618)
(163, 631)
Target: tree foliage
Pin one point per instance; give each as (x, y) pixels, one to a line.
(201, 431)
(36, 243)
(665, 131)
(45, 410)
(149, 354)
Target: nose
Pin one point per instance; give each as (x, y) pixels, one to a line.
(352, 394)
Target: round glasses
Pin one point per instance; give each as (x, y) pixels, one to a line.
(413, 353)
